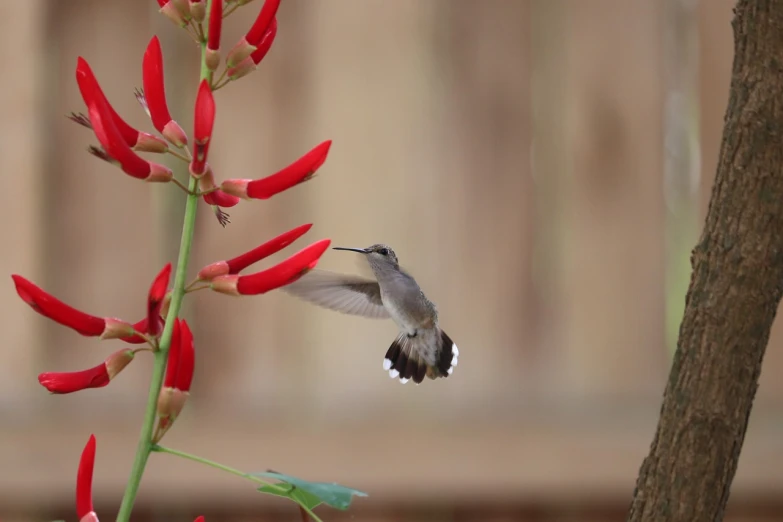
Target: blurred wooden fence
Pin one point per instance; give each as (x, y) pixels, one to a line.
(531, 162)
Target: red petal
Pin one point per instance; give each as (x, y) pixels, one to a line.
(51, 307)
(69, 382)
(215, 24)
(265, 44)
(272, 246)
(260, 26)
(91, 92)
(112, 142)
(84, 479)
(297, 172)
(155, 299)
(284, 273)
(174, 354)
(154, 90)
(187, 359)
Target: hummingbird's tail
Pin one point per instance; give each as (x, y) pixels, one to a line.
(430, 352)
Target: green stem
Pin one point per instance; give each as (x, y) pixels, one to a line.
(233, 471)
(188, 227)
(216, 465)
(158, 370)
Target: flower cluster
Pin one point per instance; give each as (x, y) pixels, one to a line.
(160, 330)
(120, 143)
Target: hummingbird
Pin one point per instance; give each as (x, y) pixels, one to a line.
(422, 348)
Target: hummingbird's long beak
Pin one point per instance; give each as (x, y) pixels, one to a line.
(360, 250)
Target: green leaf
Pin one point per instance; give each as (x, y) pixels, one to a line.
(296, 494)
(332, 494)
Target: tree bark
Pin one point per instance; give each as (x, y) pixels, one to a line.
(733, 295)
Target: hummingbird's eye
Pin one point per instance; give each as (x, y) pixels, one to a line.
(383, 251)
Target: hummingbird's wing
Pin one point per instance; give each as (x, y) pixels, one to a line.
(343, 293)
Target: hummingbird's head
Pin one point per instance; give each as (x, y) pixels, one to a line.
(378, 255)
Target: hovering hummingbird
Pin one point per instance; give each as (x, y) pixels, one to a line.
(421, 348)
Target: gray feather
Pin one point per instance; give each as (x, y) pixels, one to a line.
(343, 293)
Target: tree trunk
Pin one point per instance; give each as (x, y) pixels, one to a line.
(734, 292)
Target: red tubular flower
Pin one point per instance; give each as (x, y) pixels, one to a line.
(203, 123)
(110, 137)
(250, 41)
(155, 300)
(212, 56)
(96, 377)
(199, 518)
(299, 171)
(155, 94)
(250, 63)
(279, 275)
(239, 263)
(51, 307)
(90, 89)
(117, 149)
(84, 508)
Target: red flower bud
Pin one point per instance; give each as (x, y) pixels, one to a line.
(187, 359)
(183, 6)
(279, 275)
(299, 171)
(181, 361)
(91, 89)
(250, 41)
(97, 377)
(212, 56)
(155, 300)
(175, 345)
(155, 94)
(84, 482)
(51, 307)
(171, 12)
(250, 63)
(179, 375)
(203, 123)
(239, 263)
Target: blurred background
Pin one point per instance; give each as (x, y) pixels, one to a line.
(542, 167)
